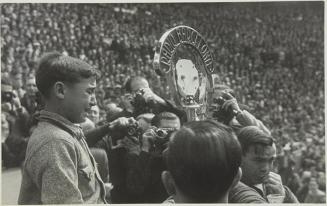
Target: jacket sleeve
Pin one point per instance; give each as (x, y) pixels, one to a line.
(244, 194)
(289, 196)
(247, 119)
(171, 107)
(53, 169)
(136, 174)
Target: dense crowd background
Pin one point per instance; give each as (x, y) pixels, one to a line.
(270, 54)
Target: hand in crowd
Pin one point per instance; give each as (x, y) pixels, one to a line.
(122, 123)
(13, 105)
(230, 103)
(148, 139)
(273, 184)
(16, 102)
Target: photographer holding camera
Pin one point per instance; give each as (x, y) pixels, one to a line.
(135, 160)
(14, 145)
(100, 138)
(140, 99)
(118, 139)
(144, 169)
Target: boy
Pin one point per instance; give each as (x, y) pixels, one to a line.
(59, 168)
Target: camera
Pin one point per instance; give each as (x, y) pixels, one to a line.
(164, 132)
(222, 115)
(7, 96)
(138, 99)
(139, 103)
(162, 137)
(131, 130)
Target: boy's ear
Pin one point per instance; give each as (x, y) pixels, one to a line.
(168, 182)
(59, 89)
(237, 178)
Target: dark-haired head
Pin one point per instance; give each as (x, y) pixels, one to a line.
(203, 160)
(252, 136)
(55, 67)
(67, 85)
(259, 153)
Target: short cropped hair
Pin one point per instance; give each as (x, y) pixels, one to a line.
(54, 67)
(128, 84)
(254, 136)
(203, 158)
(163, 116)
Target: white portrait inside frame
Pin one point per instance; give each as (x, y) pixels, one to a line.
(187, 77)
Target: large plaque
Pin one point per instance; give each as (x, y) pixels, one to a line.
(183, 56)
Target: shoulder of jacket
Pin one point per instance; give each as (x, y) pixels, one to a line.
(46, 134)
(242, 193)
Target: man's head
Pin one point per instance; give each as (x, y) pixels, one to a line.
(67, 84)
(144, 120)
(136, 83)
(31, 88)
(203, 160)
(17, 80)
(113, 111)
(6, 90)
(166, 120)
(94, 114)
(259, 153)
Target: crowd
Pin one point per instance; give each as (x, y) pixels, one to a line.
(270, 54)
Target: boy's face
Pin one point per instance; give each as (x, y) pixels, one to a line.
(79, 99)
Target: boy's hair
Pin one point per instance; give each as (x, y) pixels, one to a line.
(54, 67)
(203, 158)
(254, 136)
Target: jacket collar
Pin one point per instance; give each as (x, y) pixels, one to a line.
(61, 122)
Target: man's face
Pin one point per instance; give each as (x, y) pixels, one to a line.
(4, 127)
(94, 114)
(79, 99)
(17, 81)
(257, 163)
(31, 86)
